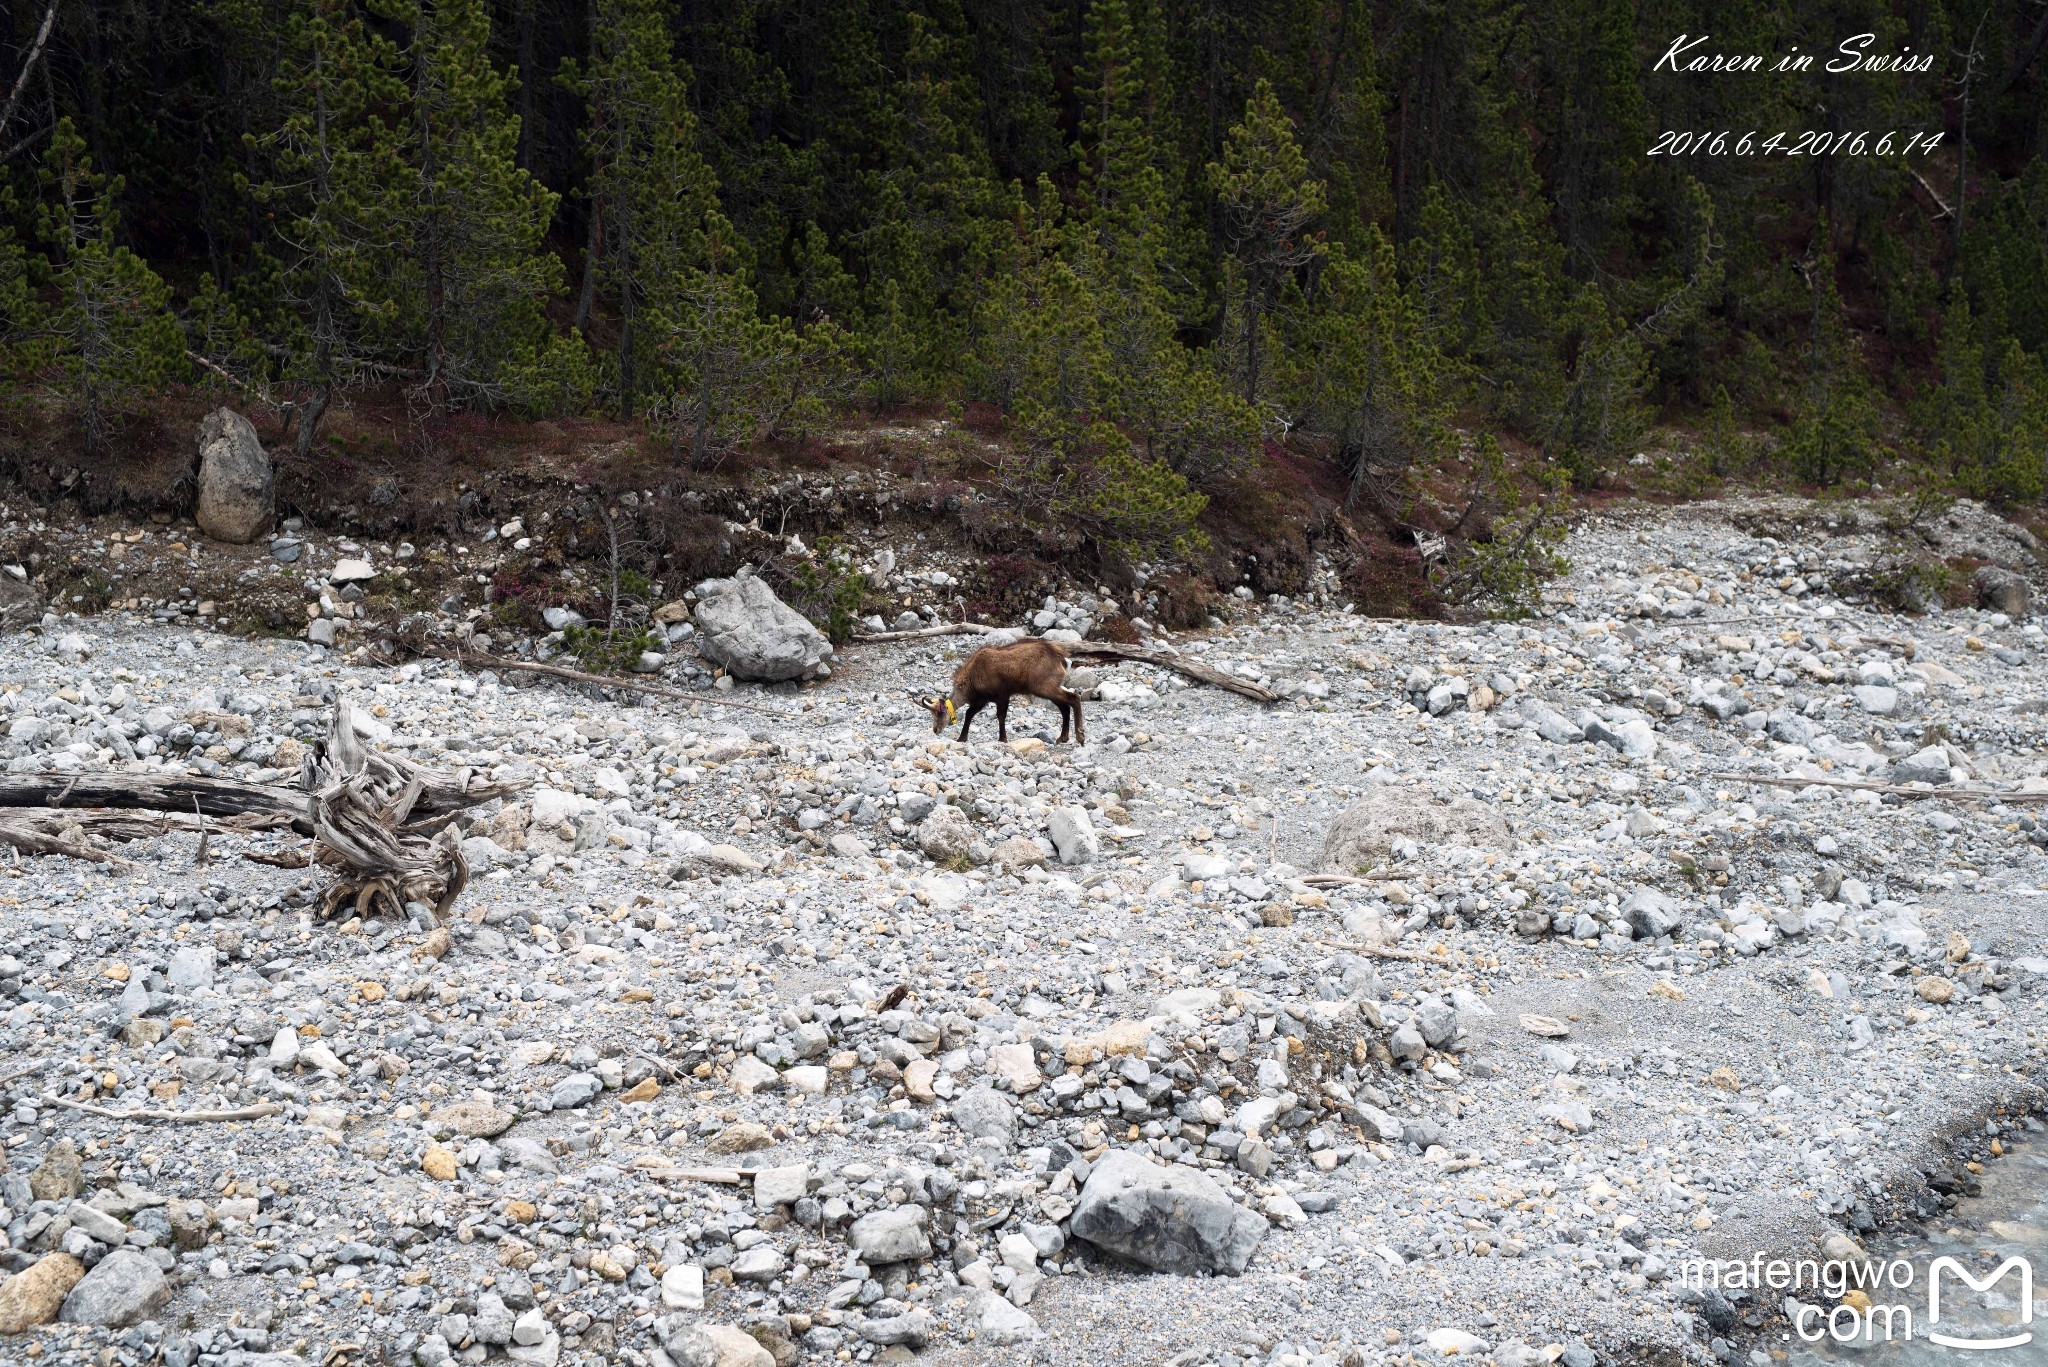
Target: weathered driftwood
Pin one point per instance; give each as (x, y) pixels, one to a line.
(1888, 789)
(476, 659)
(61, 831)
(158, 793)
(1151, 655)
(378, 821)
(364, 805)
(256, 1112)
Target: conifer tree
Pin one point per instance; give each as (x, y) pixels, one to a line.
(1834, 426)
(116, 337)
(337, 193)
(474, 276)
(1269, 204)
(650, 189)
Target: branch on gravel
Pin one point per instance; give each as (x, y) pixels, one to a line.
(476, 659)
(1888, 789)
(1099, 650)
(256, 1112)
(926, 633)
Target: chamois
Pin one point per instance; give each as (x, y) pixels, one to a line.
(995, 674)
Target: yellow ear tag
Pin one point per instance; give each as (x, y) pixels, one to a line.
(950, 713)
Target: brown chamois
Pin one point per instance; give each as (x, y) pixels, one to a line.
(995, 674)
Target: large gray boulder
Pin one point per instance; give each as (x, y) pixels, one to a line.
(1168, 1219)
(21, 604)
(122, 1289)
(2002, 590)
(742, 625)
(1363, 834)
(237, 486)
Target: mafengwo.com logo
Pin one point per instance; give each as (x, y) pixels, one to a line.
(1876, 1300)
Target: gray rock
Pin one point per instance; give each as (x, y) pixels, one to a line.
(1929, 765)
(946, 834)
(1073, 835)
(742, 625)
(2001, 590)
(492, 1322)
(1003, 1324)
(190, 968)
(1876, 699)
(96, 1223)
(895, 1235)
(21, 604)
(122, 1289)
(984, 1113)
(577, 1089)
(1651, 914)
(1168, 1219)
(912, 1329)
(1364, 833)
(236, 487)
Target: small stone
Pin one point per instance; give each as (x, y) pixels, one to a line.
(1937, 990)
(682, 1287)
(984, 1113)
(780, 1186)
(1455, 1341)
(1073, 835)
(918, 1076)
(474, 1119)
(577, 1089)
(761, 1263)
(59, 1177)
(895, 1235)
(646, 1089)
(1013, 1063)
(1003, 1324)
(530, 1328)
(741, 1137)
(750, 1075)
(438, 1163)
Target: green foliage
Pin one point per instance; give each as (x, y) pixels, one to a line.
(825, 586)
(334, 184)
(114, 333)
(1510, 545)
(1835, 427)
(1134, 509)
(1362, 370)
(650, 191)
(607, 650)
(1987, 418)
(1269, 202)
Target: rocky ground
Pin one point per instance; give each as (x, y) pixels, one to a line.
(1701, 921)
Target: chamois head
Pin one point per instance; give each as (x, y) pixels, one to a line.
(941, 708)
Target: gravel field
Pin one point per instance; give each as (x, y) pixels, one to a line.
(794, 1033)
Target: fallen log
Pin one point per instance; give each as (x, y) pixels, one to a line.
(476, 659)
(1887, 789)
(1181, 664)
(926, 633)
(1152, 655)
(256, 1112)
(179, 793)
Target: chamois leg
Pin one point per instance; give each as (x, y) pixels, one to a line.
(1002, 719)
(967, 719)
(1069, 698)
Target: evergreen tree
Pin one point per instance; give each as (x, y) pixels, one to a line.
(1987, 417)
(1363, 372)
(116, 336)
(1269, 202)
(1834, 427)
(336, 189)
(650, 190)
(474, 278)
